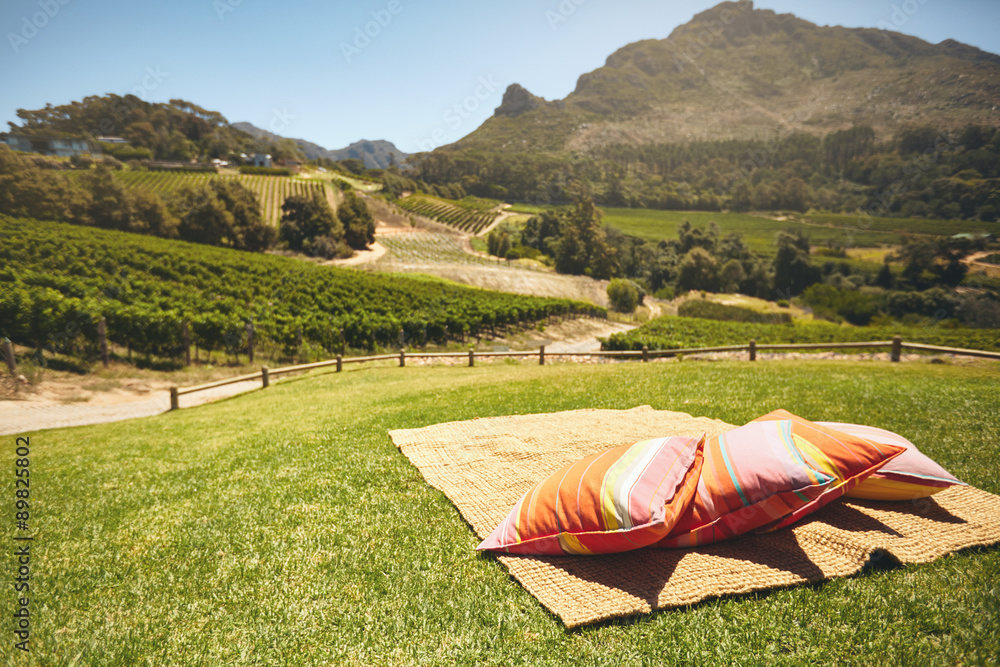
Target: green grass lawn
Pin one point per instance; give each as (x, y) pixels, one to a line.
(283, 527)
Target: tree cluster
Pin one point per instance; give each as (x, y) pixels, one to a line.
(221, 212)
(701, 259)
(309, 225)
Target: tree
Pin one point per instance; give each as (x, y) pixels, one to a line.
(202, 217)
(353, 165)
(250, 231)
(582, 247)
(150, 215)
(359, 225)
(109, 203)
(741, 198)
(732, 276)
(796, 195)
(884, 279)
(224, 213)
(793, 271)
(541, 230)
(689, 236)
(844, 145)
(27, 191)
(698, 270)
(307, 217)
(503, 245)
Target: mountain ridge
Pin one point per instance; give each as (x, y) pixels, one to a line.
(376, 154)
(735, 72)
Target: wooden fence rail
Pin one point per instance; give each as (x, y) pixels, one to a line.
(896, 345)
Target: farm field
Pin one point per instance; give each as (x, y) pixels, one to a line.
(270, 190)
(758, 232)
(426, 248)
(670, 332)
(442, 255)
(902, 225)
(284, 525)
(58, 280)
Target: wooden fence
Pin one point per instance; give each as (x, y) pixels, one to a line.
(896, 346)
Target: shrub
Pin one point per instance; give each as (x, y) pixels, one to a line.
(666, 293)
(623, 295)
(265, 171)
(831, 303)
(709, 310)
(127, 152)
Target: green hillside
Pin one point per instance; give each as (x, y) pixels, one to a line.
(174, 130)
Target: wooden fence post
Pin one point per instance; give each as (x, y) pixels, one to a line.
(897, 347)
(186, 338)
(753, 350)
(265, 377)
(173, 399)
(102, 337)
(402, 358)
(250, 341)
(541, 356)
(472, 357)
(645, 353)
(8, 356)
(340, 363)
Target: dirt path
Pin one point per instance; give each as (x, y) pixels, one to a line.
(63, 402)
(504, 214)
(988, 269)
(360, 257)
(37, 413)
(581, 335)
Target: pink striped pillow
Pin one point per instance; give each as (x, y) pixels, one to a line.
(910, 475)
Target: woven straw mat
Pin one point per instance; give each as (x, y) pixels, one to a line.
(485, 465)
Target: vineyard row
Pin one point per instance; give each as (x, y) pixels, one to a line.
(464, 219)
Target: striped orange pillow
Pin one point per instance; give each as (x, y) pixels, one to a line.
(850, 459)
(618, 500)
(753, 476)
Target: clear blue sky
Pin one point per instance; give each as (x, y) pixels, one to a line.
(283, 66)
